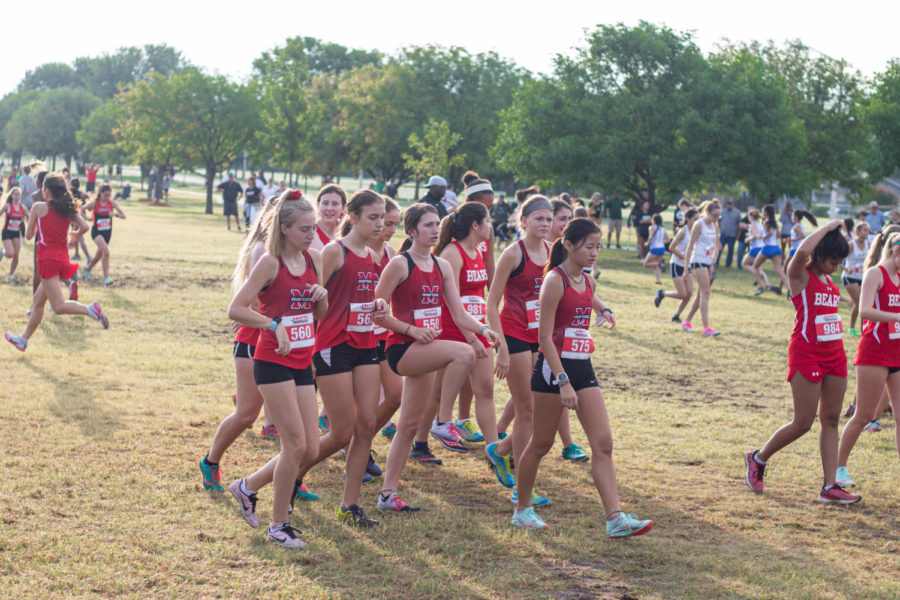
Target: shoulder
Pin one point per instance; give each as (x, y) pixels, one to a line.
(443, 264)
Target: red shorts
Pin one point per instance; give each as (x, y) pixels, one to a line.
(53, 267)
(816, 371)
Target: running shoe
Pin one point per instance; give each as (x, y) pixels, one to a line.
(709, 332)
(17, 340)
(73, 289)
(95, 313)
(389, 430)
(873, 426)
(107, 282)
(394, 503)
(675, 319)
(470, 433)
(837, 495)
(759, 290)
(76, 256)
(355, 516)
(626, 526)
(211, 476)
(755, 472)
(11, 278)
(528, 519)
(448, 435)
(501, 435)
(775, 290)
(851, 410)
(842, 478)
(575, 453)
(366, 478)
(234, 399)
(269, 432)
(300, 493)
(502, 467)
(660, 294)
(424, 455)
(86, 273)
(536, 500)
(687, 327)
(324, 425)
(247, 503)
(372, 468)
(285, 536)
(30, 310)
(855, 332)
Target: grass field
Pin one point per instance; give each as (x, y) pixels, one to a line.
(101, 494)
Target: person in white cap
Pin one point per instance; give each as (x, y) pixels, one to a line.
(437, 186)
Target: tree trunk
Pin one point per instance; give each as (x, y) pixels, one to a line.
(54, 162)
(416, 199)
(210, 180)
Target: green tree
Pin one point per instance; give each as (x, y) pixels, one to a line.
(49, 76)
(883, 122)
(103, 75)
(9, 105)
(434, 151)
(97, 136)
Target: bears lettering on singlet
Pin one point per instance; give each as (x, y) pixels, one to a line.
(826, 300)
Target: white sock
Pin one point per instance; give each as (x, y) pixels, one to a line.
(758, 460)
(463, 420)
(244, 489)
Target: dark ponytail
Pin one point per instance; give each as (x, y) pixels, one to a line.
(805, 214)
(411, 219)
(523, 194)
(832, 246)
(576, 231)
(60, 199)
(358, 202)
(769, 217)
(458, 225)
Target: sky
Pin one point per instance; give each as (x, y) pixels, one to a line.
(225, 36)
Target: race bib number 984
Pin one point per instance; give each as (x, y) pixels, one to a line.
(829, 327)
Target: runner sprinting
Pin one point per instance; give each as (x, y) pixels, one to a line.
(103, 208)
(15, 214)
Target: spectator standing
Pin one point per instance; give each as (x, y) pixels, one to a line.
(500, 213)
(11, 180)
(27, 185)
(231, 191)
(91, 178)
(166, 183)
(437, 187)
(678, 218)
(787, 223)
(875, 219)
(269, 190)
(252, 198)
(391, 189)
(729, 224)
(743, 228)
(379, 185)
(642, 218)
(613, 209)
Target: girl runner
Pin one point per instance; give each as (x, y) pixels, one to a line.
(851, 278)
(15, 213)
(346, 355)
(703, 248)
(51, 221)
(756, 235)
(330, 201)
(817, 364)
(797, 232)
(684, 285)
(878, 354)
(415, 281)
(771, 250)
(658, 239)
(564, 377)
(285, 283)
(103, 208)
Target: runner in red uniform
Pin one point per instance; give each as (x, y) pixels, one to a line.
(469, 227)
(415, 281)
(15, 213)
(285, 283)
(330, 202)
(346, 357)
(563, 376)
(50, 220)
(520, 272)
(817, 364)
(103, 208)
(878, 354)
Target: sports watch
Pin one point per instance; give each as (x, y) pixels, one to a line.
(561, 379)
(274, 324)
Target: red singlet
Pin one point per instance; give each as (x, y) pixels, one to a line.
(323, 237)
(288, 297)
(103, 215)
(880, 341)
(573, 317)
(418, 300)
(380, 332)
(472, 280)
(14, 218)
(818, 331)
(351, 301)
(247, 335)
(521, 311)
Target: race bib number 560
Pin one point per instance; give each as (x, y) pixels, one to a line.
(300, 330)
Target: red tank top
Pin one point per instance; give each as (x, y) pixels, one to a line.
(380, 332)
(103, 216)
(418, 300)
(818, 331)
(472, 280)
(880, 341)
(573, 318)
(323, 237)
(520, 313)
(14, 217)
(351, 301)
(52, 235)
(288, 297)
(247, 335)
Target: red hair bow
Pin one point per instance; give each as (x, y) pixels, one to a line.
(295, 195)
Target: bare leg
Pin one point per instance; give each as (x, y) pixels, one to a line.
(870, 382)
(833, 389)
(392, 390)
(519, 382)
(547, 408)
(806, 399)
(249, 401)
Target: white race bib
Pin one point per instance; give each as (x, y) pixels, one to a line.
(533, 313)
(829, 327)
(104, 224)
(300, 330)
(14, 224)
(893, 330)
(475, 306)
(577, 344)
(360, 319)
(428, 318)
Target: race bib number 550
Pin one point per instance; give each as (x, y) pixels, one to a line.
(428, 317)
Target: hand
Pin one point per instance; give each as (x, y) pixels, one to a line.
(284, 344)
(480, 352)
(235, 326)
(316, 292)
(605, 317)
(501, 367)
(381, 309)
(492, 336)
(425, 335)
(568, 396)
(834, 224)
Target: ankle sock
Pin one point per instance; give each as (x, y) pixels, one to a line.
(757, 460)
(244, 489)
(209, 464)
(420, 445)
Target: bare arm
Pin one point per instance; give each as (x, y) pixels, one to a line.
(797, 274)
(872, 282)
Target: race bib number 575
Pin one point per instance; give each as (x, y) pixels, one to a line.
(577, 344)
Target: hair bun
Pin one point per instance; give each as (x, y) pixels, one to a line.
(470, 176)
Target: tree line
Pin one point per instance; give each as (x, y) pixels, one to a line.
(638, 109)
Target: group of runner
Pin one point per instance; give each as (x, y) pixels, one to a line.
(334, 308)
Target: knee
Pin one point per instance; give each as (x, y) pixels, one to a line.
(466, 357)
(245, 420)
(830, 421)
(365, 425)
(293, 451)
(540, 448)
(311, 452)
(802, 426)
(341, 434)
(602, 446)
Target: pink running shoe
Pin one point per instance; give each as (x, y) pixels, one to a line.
(17, 341)
(755, 472)
(687, 327)
(708, 332)
(95, 313)
(837, 495)
(246, 503)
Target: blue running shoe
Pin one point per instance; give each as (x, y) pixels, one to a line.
(535, 499)
(575, 453)
(626, 526)
(471, 434)
(527, 519)
(502, 466)
(389, 430)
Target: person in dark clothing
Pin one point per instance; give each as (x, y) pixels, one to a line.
(437, 187)
(231, 191)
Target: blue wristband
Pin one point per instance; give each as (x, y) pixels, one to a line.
(274, 324)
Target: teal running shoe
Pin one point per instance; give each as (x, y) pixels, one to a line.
(502, 466)
(86, 275)
(324, 425)
(471, 433)
(527, 519)
(212, 475)
(107, 282)
(575, 453)
(501, 435)
(535, 499)
(626, 526)
(842, 478)
(389, 430)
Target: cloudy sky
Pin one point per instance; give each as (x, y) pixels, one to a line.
(226, 36)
